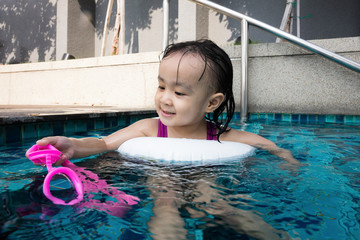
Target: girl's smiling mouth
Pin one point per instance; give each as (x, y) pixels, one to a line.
(167, 113)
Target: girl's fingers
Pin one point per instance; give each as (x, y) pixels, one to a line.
(46, 141)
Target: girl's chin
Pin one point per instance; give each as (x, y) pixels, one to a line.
(167, 121)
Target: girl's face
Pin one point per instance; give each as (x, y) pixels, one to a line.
(181, 99)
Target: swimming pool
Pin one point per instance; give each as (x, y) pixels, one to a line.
(257, 197)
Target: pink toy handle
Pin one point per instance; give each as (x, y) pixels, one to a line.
(44, 155)
(47, 155)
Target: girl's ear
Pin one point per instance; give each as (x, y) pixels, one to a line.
(215, 101)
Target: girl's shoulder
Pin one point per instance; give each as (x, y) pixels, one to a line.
(149, 126)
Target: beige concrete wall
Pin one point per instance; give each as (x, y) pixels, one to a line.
(127, 81)
(282, 78)
(286, 79)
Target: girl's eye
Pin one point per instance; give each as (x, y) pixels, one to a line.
(179, 94)
(161, 88)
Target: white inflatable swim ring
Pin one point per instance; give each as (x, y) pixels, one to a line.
(174, 150)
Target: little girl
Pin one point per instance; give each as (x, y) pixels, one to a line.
(195, 88)
(195, 79)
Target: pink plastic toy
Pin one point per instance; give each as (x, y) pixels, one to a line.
(47, 155)
(85, 183)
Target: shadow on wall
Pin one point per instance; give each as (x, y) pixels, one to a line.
(28, 31)
(263, 10)
(28, 28)
(319, 19)
(139, 19)
(88, 7)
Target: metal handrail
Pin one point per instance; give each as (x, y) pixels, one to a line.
(166, 13)
(246, 20)
(284, 35)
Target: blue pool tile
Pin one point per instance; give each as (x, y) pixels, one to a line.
(121, 121)
(330, 118)
(110, 122)
(262, 116)
(13, 133)
(80, 126)
(30, 131)
(254, 116)
(58, 128)
(90, 124)
(304, 118)
(321, 118)
(295, 118)
(2, 135)
(357, 119)
(69, 127)
(237, 116)
(312, 118)
(286, 117)
(135, 118)
(278, 116)
(44, 129)
(349, 119)
(339, 118)
(127, 118)
(270, 116)
(99, 123)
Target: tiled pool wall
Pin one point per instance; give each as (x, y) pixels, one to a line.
(306, 118)
(22, 132)
(30, 131)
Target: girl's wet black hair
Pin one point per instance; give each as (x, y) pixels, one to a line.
(220, 65)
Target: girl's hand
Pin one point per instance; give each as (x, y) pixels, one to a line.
(284, 154)
(63, 144)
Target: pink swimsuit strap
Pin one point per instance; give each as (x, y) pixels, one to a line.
(211, 131)
(162, 130)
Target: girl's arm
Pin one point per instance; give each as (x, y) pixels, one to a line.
(280, 152)
(84, 147)
(74, 147)
(259, 142)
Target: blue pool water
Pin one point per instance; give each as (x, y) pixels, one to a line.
(259, 197)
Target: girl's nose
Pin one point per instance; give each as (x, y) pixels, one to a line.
(166, 98)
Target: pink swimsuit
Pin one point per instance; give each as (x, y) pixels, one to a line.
(211, 131)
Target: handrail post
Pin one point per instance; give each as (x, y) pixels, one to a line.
(166, 15)
(106, 27)
(244, 68)
(122, 26)
(298, 18)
